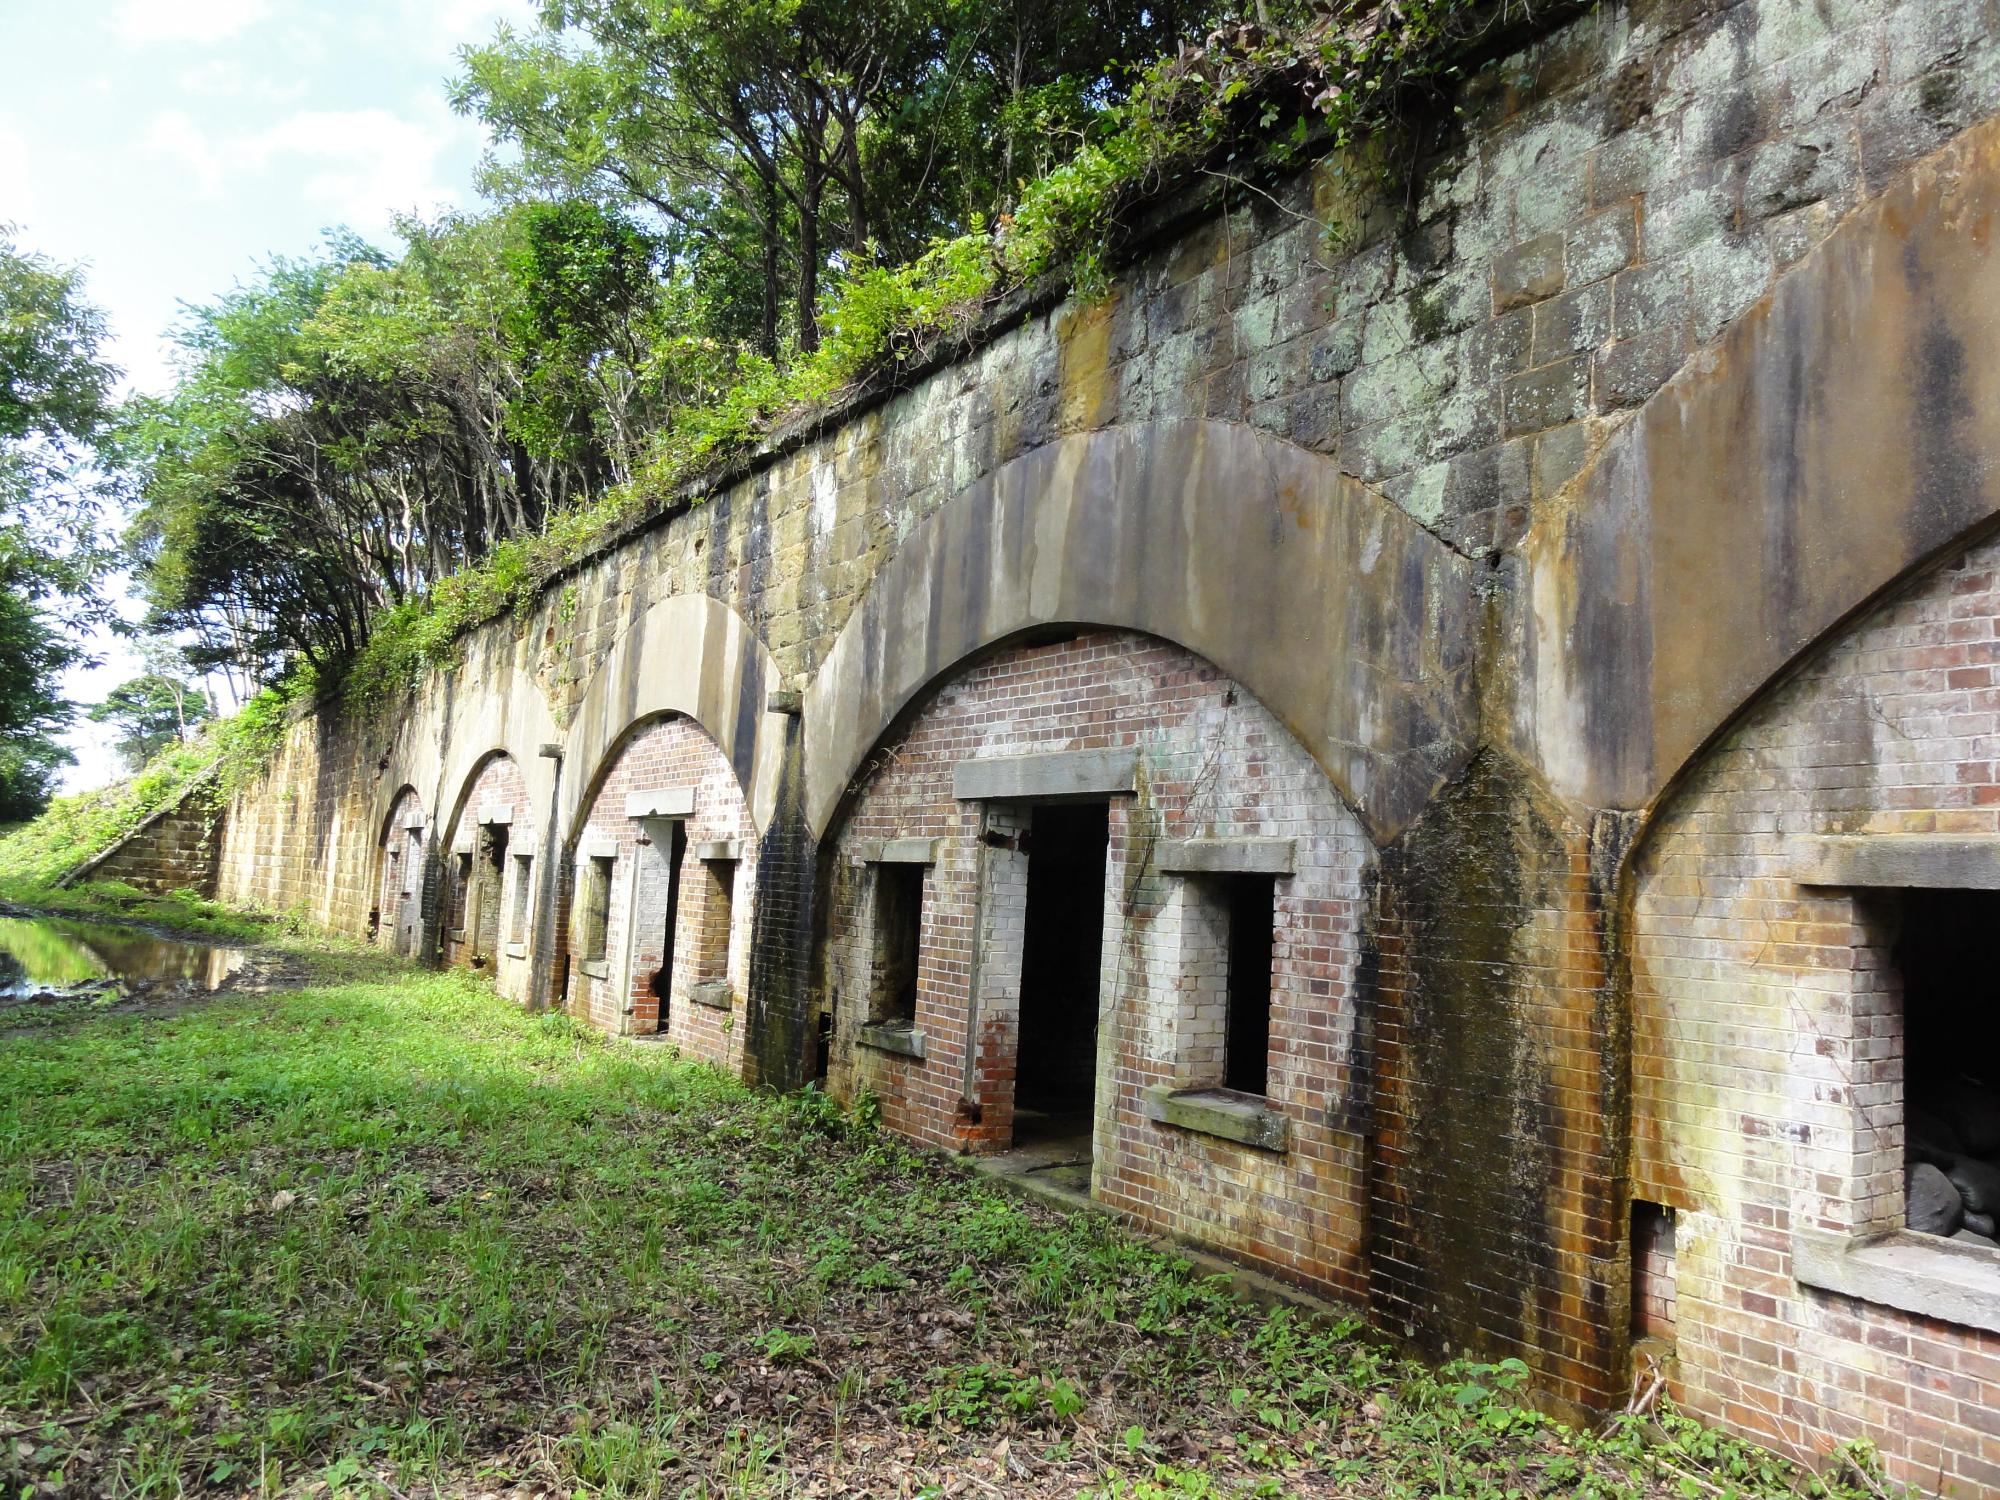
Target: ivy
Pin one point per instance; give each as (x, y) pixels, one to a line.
(1249, 97)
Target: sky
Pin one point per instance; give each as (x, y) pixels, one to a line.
(171, 145)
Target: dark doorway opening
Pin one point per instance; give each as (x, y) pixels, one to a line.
(1247, 1046)
(1062, 952)
(488, 879)
(663, 978)
(1951, 1028)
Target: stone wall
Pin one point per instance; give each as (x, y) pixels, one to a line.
(1500, 503)
(714, 895)
(1209, 764)
(178, 848)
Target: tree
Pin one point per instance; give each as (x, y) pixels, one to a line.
(55, 404)
(150, 713)
(32, 710)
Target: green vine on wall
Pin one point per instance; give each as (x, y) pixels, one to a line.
(1246, 101)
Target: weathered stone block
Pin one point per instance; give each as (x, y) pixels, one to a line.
(1577, 320)
(1649, 297)
(1626, 374)
(1528, 272)
(1546, 397)
(1602, 244)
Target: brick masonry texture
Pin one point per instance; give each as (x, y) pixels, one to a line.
(1768, 1037)
(179, 848)
(1214, 765)
(1499, 508)
(711, 934)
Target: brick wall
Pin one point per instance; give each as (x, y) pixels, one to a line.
(492, 833)
(711, 945)
(179, 848)
(1768, 1063)
(1614, 198)
(405, 878)
(1214, 764)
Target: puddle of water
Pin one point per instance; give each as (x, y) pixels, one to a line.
(41, 955)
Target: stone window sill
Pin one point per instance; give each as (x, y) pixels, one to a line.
(595, 968)
(1918, 1273)
(905, 1041)
(1244, 1118)
(713, 993)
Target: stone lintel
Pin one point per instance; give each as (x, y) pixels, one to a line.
(1909, 860)
(495, 813)
(1228, 856)
(1219, 1112)
(906, 1041)
(414, 823)
(1919, 1273)
(714, 993)
(1038, 778)
(896, 852)
(517, 950)
(667, 802)
(598, 848)
(718, 849)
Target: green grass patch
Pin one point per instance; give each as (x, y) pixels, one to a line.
(387, 1235)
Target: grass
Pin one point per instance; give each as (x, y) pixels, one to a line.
(385, 1235)
(180, 912)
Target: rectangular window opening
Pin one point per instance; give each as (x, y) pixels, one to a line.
(461, 893)
(1653, 1300)
(899, 915)
(1252, 907)
(1951, 1074)
(517, 914)
(596, 908)
(717, 917)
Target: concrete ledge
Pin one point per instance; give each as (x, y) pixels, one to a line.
(1918, 1273)
(1227, 856)
(667, 802)
(495, 813)
(517, 950)
(714, 993)
(896, 852)
(1219, 1112)
(595, 968)
(1066, 773)
(719, 849)
(905, 1041)
(1909, 860)
(598, 848)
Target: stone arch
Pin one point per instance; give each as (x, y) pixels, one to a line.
(664, 842)
(488, 849)
(399, 872)
(1179, 814)
(1844, 432)
(691, 655)
(1351, 623)
(1775, 1046)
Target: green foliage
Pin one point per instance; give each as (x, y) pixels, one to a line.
(210, 764)
(1248, 95)
(150, 712)
(386, 1231)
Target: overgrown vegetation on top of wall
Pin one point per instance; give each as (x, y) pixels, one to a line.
(1248, 101)
(77, 828)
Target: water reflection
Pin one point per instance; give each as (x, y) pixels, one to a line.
(39, 955)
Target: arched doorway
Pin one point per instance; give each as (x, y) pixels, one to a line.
(1091, 902)
(664, 885)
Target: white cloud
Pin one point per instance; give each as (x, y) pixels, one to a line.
(357, 166)
(203, 22)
